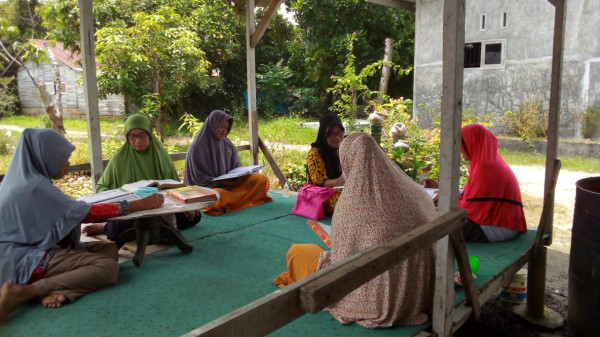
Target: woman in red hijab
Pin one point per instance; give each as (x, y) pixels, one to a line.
(492, 196)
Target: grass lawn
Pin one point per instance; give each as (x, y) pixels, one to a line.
(276, 131)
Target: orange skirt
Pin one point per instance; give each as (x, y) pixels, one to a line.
(251, 192)
(301, 260)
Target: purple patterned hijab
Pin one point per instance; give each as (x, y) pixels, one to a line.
(208, 157)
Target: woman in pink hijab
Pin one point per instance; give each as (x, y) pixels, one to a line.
(379, 203)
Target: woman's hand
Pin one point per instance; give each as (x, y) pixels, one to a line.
(339, 181)
(150, 202)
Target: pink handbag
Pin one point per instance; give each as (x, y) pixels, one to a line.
(310, 201)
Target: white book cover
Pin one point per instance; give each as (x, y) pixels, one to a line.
(239, 172)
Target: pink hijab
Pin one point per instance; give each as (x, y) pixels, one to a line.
(379, 203)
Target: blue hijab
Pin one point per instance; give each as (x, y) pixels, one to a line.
(34, 214)
(208, 157)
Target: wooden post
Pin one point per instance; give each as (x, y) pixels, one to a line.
(536, 274)
(452, 90)
(251, 78)
(88, 58)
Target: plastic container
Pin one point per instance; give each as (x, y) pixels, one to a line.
(474, 263)
(286, 190)
(516, 290)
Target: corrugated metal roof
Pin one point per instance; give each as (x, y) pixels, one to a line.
(65, 56)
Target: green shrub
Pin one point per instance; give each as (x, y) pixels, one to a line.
(527, 122)
(9, 99)
(590, 120)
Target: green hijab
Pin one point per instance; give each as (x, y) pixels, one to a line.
(129, 165)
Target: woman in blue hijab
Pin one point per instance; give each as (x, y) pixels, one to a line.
(40, 252)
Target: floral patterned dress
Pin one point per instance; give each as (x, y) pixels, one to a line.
(317, 174)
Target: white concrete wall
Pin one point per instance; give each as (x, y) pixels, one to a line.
(525, 74)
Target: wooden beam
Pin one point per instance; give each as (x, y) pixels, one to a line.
(554, 108)
(400, 4)
(274, 165)
(464, 268)
(451, 115)
(251, 83)
(174, 157)
(361, 268)
(88, 58)
(264, 22)
(275, 310)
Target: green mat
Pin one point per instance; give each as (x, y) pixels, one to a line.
(235, 258)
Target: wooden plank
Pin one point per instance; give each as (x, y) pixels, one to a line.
(400, 4)
(554, 104)
(88, 59)
(361, 268)
(174, 156)
(536, 284)
(258, 318)
(547, 210)
(275, 310)
(451, 115)
(251, 85)
(264, 22)
(464, 268)
(274, 165)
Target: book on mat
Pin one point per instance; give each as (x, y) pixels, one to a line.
(160, 184)
(240, 172)
(322, 230)
(192, 193)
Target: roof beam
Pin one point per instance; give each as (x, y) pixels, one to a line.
(400, 4)
(264, 22)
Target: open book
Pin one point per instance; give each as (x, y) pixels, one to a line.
(433, 192)
(239, 172)
(193, 193)
(160, 184)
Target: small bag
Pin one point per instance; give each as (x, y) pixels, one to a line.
(310, 201)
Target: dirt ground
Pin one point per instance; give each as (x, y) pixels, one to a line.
(497, 318)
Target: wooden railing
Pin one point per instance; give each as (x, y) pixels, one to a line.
(327, 286)
(174, 156)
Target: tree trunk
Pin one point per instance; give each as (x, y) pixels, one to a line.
(385, 71)
(160, 118)
(55, 110)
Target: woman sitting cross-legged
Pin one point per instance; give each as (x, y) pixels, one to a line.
(323, 161)
(40, 252)
(492, 196)
(380, 203)
(141, 157)
(212, 154)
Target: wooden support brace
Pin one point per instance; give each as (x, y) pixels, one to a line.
(264, 22)
(274, 166)
(464, 268)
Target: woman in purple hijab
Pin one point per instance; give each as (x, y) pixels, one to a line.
(212, 154)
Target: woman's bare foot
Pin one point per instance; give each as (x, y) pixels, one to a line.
(13, 295)
(92, 230)
(54, 301)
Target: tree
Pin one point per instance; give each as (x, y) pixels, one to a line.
(326, 23)
(29, 51)
(151, 62)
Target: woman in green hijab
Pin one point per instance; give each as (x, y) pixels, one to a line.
(141, 157)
